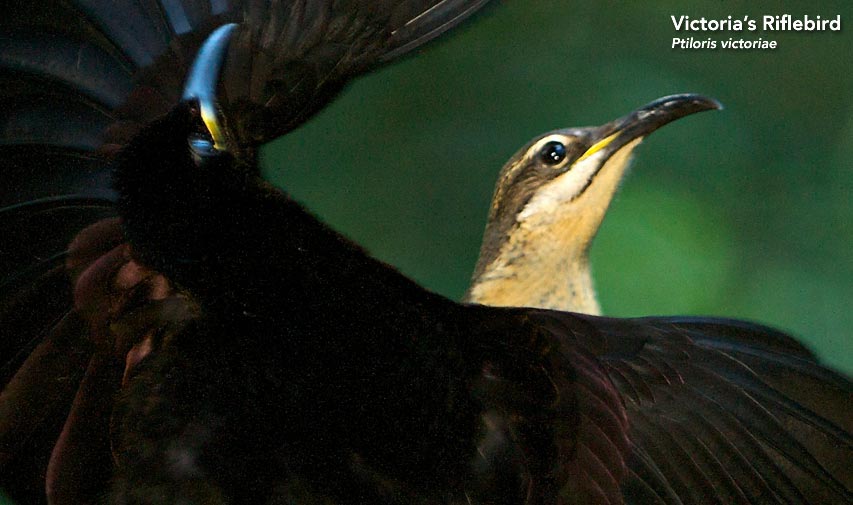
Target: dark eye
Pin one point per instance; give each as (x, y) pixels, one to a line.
(552, 153)
(202, 148)
(201, 145)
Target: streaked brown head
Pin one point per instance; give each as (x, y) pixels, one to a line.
(549, 202)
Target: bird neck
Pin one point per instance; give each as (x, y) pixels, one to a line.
(246, 251)
(542, 259)
(242, 246)
(343, 344)
(374, 354)
(236, 242)
(544, 267)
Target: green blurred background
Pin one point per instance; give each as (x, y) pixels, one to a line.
(744, 213)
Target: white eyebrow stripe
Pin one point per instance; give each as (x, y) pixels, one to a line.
(558, 137)
(563, 188)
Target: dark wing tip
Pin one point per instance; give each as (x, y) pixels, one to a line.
(416, 25)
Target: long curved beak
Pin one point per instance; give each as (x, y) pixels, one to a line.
(203, 78)
(615, 134)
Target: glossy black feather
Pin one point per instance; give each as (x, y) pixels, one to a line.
(85, 75)
(78, 79)
(35, 288)
(343, 362)
(728, 415)
(686, 409)
(270, 359)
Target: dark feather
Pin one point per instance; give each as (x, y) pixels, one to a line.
(80, 78)
(87, 74)
(248, 353)
(722, 411)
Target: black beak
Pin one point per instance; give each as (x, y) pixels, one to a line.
(616, 134)
(203, 79)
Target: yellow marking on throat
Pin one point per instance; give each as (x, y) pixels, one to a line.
(208, 116)
(598, 146)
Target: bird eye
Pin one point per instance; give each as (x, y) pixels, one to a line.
(202, 149)
(552, 153)
(201, 145)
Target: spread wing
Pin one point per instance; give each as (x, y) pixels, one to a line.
(44, 343)
(697, 410)
(78, 78)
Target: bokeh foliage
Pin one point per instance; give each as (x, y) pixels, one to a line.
(744, 213)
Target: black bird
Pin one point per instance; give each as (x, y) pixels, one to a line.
(270, 360)
(314, 373)
(78, 79)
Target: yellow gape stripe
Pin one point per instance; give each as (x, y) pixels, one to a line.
(208, 115)
(598, 146)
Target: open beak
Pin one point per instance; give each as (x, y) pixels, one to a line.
(614, 135)
(203, 79)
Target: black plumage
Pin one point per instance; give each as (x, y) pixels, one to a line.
(78, 79)
(231, 348)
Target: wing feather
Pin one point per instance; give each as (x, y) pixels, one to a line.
(718, 411)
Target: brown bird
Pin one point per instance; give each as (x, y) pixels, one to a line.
(546, 210)
(307, 371)
(247, 353)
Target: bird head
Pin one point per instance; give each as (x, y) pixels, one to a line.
(184, 164)
(195, 129)
(550, 200)
(210, 138)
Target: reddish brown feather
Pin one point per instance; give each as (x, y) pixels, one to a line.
(109, 287)
(80, 464)
(43, 386)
